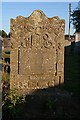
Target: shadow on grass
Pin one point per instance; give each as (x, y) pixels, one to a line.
(54, 102)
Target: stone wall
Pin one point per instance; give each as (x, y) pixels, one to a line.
(37, 52)
(6, 44)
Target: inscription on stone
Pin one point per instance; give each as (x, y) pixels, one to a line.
(37, 52)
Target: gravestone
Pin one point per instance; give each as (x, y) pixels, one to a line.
(37, 52)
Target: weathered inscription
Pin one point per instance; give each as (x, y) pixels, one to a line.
(41, 40)
(37, 51)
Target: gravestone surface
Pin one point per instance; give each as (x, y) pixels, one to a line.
(37, 52)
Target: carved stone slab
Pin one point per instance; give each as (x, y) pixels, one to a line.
(37, 52)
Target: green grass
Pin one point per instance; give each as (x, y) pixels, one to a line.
(13, 110)
(5, 55)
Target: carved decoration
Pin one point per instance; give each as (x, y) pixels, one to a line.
(37, 51)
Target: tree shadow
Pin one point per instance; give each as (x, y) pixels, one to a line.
(54, 102)
(71, 68)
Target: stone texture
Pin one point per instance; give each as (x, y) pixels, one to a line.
(37, 52)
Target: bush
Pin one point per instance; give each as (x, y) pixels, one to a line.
(12, 106)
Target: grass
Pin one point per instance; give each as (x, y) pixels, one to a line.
(55, 106)
(4, 55)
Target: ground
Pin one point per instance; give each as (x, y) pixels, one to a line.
(63, 103)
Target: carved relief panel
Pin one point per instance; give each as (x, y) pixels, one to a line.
(37, 44)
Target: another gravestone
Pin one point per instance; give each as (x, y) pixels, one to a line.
(37, 52)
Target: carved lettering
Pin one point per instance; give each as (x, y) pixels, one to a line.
(55, 69)
(45, 36)
(38, 42)
(29, 41)
(12, 46)
(18, 58)
(46, 43)
(23, 45)
(59, 46)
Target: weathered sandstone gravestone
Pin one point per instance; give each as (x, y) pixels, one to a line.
(37, 52)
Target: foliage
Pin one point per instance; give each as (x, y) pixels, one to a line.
(5, 84)
(76, 19)
(4, 34)
(5, 77)
(5, 55)
(12, 105)
(14, 98)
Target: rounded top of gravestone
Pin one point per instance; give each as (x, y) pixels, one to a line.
(38, 13)
(38, 16)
